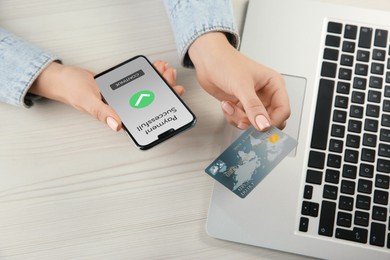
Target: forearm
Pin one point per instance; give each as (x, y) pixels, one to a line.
(20, 64)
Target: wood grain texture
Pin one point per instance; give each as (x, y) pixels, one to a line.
(70, 187)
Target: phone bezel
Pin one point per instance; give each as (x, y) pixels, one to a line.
(164, 136)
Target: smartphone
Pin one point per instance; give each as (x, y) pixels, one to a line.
(151, 112)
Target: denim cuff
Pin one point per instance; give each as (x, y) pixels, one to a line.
(190, 19)
(21, 63)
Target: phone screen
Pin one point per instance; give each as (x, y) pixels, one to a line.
(150, 110)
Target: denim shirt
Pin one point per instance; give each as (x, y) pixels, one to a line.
(21, 62)
(192, 18)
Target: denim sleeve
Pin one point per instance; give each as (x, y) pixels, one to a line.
(20, 64)
(192, 18)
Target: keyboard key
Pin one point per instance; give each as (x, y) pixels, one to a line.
(322, 118)
(328, 69)
(346, 60)
(388, 239)
(368, 155)
(363, 55)
(377, 234)
(380, 39)
(303, 224)
(374, 96)
(359, 83)
(334, 27)
(336, 145)
(371, 125)
(356, 111)
(327, 218)
(376, 82)
(308, 192)
(331, 54)
(305, 208)
(377, 68)
(347, 187)
(339, 116)
(384, 150)
(384, 135)
(332, 176)
(361, 69)
(387, 91)
(366, 170)
(361, 218)
(334, 161)
(363, 202)
(365, 37)
(356, 235)
(339, 130)
(330, 192)
(369, 140)
(349, 171)
(386, 105)
(383, 165)
(348, 46)
(386, 120)
(379, 55)
(365, 186)
(350, 31)
(379, 213)
(316, 160)
(381, 197)
(314, 177)
(346, 203)
(372, 110)
(341, 102)
(345, 74)
(344, 219)
(332, 41)
(382, 181)
(353, 141)
(344, 87)
(358, 97)
(351, 156)
(354, 126)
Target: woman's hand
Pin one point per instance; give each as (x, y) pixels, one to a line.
(250, 93)
(77, 87)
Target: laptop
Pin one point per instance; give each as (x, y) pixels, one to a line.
(330, 197)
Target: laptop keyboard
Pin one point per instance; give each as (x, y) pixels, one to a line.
(346, 191)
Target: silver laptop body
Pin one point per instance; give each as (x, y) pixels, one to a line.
(291, 37)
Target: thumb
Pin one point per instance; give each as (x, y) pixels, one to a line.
(105, 114)
(255, 110)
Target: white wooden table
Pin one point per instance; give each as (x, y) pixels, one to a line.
(70, 188)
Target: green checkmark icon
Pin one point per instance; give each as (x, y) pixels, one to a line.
(142, 99)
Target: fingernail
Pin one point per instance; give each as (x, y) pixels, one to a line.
(112, 123)
(166, 65)
(262, 122)
(229, 109)
(242, 126)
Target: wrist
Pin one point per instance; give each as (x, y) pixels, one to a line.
(207, 46)
(46, 82)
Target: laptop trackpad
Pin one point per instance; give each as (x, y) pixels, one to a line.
(296, 91)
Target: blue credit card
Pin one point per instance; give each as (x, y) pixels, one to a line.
(246, 162)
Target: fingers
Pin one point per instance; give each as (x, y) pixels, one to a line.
(254, 108)
(234, 115)
(169, 74)
(104, 113)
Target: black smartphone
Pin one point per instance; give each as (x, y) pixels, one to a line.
(151, 112)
